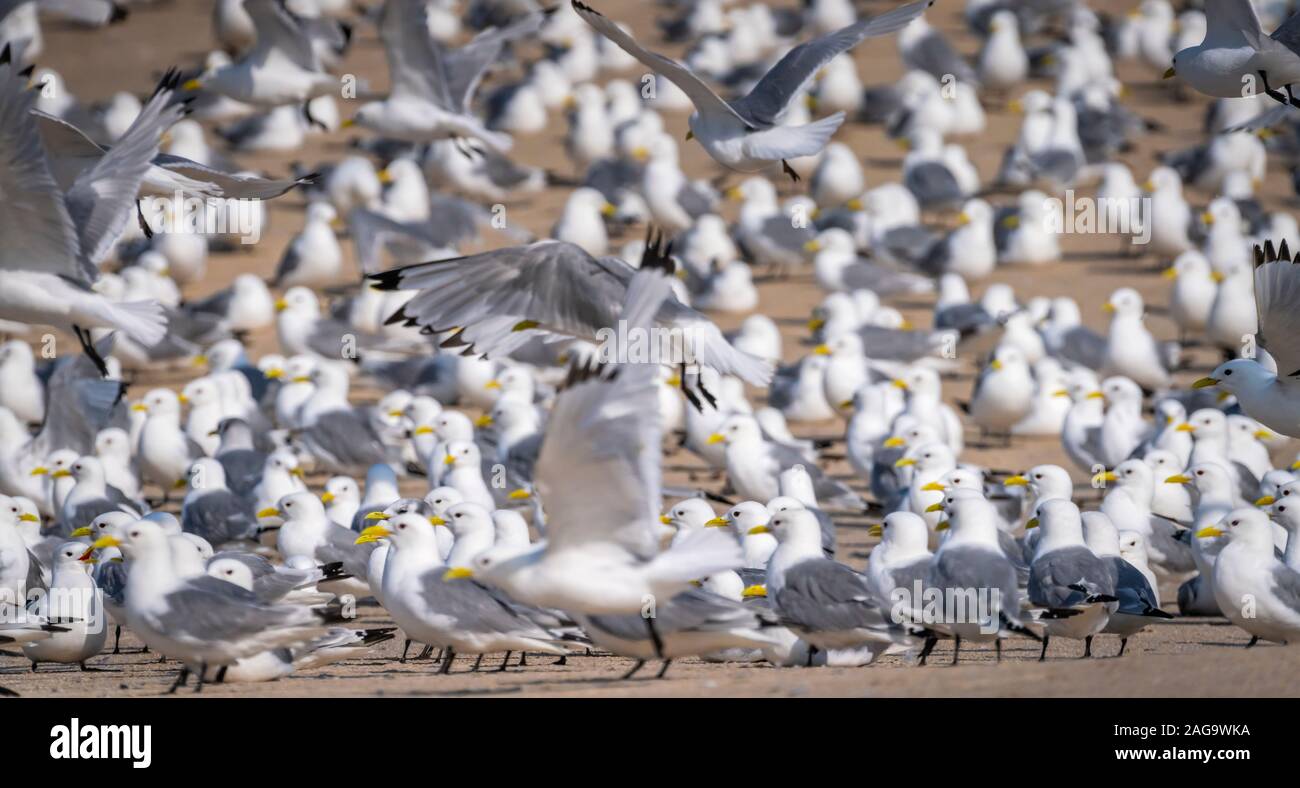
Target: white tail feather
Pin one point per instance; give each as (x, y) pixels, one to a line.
(143, 321)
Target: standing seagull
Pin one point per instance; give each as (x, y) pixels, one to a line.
(1067, 579)
(746, 134)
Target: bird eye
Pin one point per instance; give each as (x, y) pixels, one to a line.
(1281, 508)
(1227, 372)
(1234, 522)
(401, 526)
(135, 534)
(1038, 475)
(230, 571)
(459, 514)
(1200, 473)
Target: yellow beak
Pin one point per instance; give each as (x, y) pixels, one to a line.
(1169, 73)
(717, 522)
(903, 462)
(665, 519)
(934, 507)
(519, 495)
(373, 534)
(376, 516)
(327, 497)
(1265, 500)
(436, 520)
(813, 246)
(1033, 523)
(281, 305)
(423, 429)
(1205, 383)
(942, 525)
(1178, 479)
(492, 384)
(269, 511)
(40, 471)
(1209, 531)
(61, 473)
(758, 529)
(876, 530)
(894, 442)
(716, 437)
(1016, 481)
(449, 460)
(1184, 427)
(753, 591)
(457, 573)
(192, 84)
(934, 487)
(822, 350)
(1108, 476)
(80, 532)
(483, 421)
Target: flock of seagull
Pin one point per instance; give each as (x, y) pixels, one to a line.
(506, 387)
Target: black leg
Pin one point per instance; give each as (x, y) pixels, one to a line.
(1122, 643)
(505, 663)
(448, 658)
(640, 663)
(88, 347)
(1253, 640)
(563, 660)
(180, 679)
(34, 663)
(221, 674)
(997, 649)
(117, 640)
(956, 649)
(5, 692)
(425, 653)
(405, 647)
(477, 662)
(1043, 654)
(664, 669)
(1276, 95)
(203, 672)
(788, 170)
(1087, 647)
(139, 217)
(928, 647)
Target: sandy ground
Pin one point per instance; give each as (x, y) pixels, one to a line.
(1183, 657)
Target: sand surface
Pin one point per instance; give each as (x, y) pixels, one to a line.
(1182, 657)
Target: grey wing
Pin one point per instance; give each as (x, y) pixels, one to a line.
(766, 103)
(103, 198)
(278, 30)
(415, 63)
(1133, 589)
(909, 575)
(932, 183)
(68, 149)
(79, 403)
(553, 284)
(219, 183)
(290, 262)
(466, 66)
(111, 577)
(1286, 585)
(347, 438)
(1056, 578)
(341, 546)
(1084, 346)
(785, 234)
(888, 344)
(700, 94)
(696, 198)
(219, 516)
(34, 222)
(934, 55)
(1247, 485)
(205, 608)
(827, 596)
(1277, 285)
(473, 607)
(975, 567)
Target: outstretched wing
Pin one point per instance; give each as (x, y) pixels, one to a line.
(1277, 291)
(700, 94)
(415, 64)
(498, 296)
(767, 101)
(36, 232)
(598, 472)
(102, 199)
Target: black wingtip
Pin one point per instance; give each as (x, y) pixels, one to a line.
(118, 14)
(6, 55)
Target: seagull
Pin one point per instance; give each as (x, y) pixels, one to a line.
(432, 90)
(55, 240)
(1073, 585)
(745, 134)
(1270, 396)
(1255, 590)
(501, 299)
(599, 472)
(1235, 51)
(200, 620)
